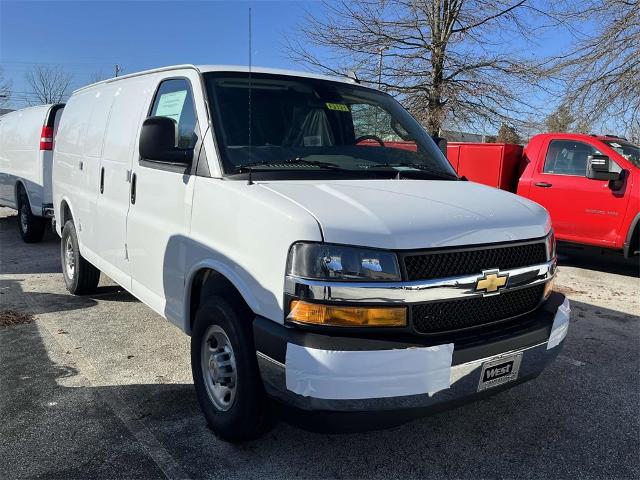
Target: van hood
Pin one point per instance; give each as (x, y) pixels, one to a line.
(414, 214)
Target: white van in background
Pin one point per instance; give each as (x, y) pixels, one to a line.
(26, 162)
(272, 216)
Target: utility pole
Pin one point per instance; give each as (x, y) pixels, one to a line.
(118, 70)
(380, 50)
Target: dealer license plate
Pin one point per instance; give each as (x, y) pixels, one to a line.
(499, 371)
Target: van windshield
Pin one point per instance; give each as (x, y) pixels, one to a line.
(286, 123)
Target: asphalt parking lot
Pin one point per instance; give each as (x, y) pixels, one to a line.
(100, 387)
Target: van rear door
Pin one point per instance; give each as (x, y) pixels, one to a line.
(51, 125)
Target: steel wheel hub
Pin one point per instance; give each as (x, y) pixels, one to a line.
(24, 218)
(69, 258)
(218, 364)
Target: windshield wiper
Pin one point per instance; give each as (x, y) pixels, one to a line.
(292, 161)
(416, 166)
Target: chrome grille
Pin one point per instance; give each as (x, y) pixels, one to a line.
(468, 261)
(438, 317)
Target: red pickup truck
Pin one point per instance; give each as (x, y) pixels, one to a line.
(589, 184)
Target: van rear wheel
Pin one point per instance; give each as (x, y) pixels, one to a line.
(31, 228)
(225, 372)
(79, 275)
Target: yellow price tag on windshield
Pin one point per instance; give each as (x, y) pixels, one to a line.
(339, 107)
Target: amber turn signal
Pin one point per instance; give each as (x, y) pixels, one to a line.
(331, 315)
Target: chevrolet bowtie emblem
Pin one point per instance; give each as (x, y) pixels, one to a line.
(491, 281)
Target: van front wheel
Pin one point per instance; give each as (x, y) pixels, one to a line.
(79, 275)
(31, 228)
(225, 372)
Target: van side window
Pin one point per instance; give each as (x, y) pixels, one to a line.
(568, 157)
(175, 100)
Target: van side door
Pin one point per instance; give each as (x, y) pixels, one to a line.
(582, 210)
(112, 182)
(161, 196)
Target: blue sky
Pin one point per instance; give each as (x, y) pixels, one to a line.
(90, 36)
(86, 37)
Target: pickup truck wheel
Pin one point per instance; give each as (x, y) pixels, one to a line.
(225, 372)
(79, 275)
(31, 228)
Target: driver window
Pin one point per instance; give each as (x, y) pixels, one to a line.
(174, 100)
(568, 157)
(372, 125)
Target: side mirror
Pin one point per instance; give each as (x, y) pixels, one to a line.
(599, 168)
(158, 142)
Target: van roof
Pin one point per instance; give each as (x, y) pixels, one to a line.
(225, 68)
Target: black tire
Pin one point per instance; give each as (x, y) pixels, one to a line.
(82, 277)
(31, 228)
(247, 415)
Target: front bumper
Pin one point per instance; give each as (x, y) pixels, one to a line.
(319, 372)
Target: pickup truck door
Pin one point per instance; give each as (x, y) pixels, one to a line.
(582, 210)
(161, 195)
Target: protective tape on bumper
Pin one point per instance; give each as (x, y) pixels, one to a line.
(342, 375)
(560, 325)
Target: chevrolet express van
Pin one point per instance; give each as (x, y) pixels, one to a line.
(26, 159)
(267, 215)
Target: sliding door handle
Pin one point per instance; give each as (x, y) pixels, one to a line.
(102, 180)
(133, 188)
(542, 184)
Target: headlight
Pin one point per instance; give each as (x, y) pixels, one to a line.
(342, 263)
(550, 242)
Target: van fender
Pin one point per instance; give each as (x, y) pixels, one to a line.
(224, 270)
(20, 182)
(60, 223)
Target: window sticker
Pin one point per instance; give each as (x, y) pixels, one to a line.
(338, 107)
(313, 141)
(171, 105)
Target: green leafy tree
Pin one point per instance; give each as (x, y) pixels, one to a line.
(508, 134)
(560, 120)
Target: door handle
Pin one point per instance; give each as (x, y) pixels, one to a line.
(102, 180)
(133, 188)
(542, 184)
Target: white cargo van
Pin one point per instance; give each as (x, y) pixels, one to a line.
(26, 160)
(310, 237)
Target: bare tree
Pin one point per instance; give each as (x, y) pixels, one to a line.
(443, 59)
(97, 76)
(601, 73)
(48, 84)
(5, 89)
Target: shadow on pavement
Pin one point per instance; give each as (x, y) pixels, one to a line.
(45, 257)
(598, 259)
(578, 419)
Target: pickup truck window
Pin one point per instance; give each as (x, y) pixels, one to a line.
(174, 100)
(628, 150)
(285, 123)
(568, 157)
